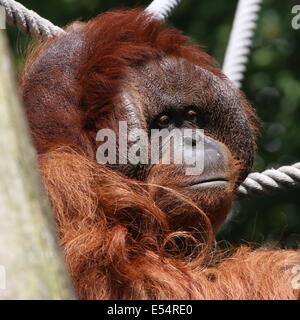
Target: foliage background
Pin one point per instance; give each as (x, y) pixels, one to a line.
(272, 84)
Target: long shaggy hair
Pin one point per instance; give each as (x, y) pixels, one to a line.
(118, 236)
(119, 244)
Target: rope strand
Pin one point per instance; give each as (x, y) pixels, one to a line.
(161, 9)
(270, 181)
(240, 42)
(28, 21)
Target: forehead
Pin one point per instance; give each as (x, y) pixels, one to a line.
(171, 82)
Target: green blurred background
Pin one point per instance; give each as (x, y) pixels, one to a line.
(272, 84)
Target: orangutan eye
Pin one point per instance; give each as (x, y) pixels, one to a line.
(192, 115)
(164, 121)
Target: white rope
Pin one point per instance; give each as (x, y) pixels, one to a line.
(240, 41)
(161, 9)
(236, 58)
(28, 21)
(270, 181)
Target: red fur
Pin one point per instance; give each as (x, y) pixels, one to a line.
(118, 236)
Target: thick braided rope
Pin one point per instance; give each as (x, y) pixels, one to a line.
(270, 181)
(240, 41)
(236, 58)
(161, 9)
(28, 21)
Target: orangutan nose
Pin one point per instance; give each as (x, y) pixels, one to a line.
(213, 162)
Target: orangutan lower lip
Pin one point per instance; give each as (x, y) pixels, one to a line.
(209, 183)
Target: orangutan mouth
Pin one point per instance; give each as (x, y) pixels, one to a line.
(216, 182)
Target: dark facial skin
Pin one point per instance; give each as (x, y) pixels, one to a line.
(173, 93)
